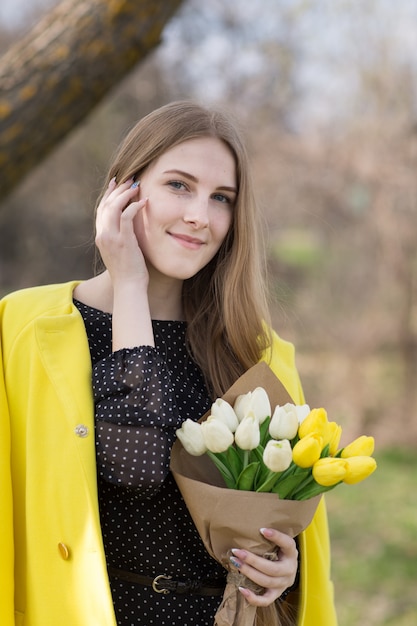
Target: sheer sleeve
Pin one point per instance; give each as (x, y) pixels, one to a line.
(136, 418)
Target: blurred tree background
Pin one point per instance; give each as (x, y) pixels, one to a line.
(327, 95)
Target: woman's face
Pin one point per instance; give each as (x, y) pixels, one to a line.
(191, 191)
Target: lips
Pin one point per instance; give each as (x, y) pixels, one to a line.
(193, 243)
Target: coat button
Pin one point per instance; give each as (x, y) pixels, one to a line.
(81, 430)
(63, 551)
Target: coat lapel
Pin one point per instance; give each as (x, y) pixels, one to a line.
(65, 354)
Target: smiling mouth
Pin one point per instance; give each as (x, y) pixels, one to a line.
(188, 242)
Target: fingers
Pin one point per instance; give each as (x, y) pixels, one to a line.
(265, 599)
(119, 196)
(114, 204)
(116, 230)
(283, 541)
(273, 576)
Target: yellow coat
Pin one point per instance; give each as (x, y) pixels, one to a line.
(52, 563)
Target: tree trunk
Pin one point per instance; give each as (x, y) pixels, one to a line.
(53, 77)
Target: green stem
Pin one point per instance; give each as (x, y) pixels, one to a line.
(316, 490)
(269, 481)
(224, 471)
(245, 458)
(308, 480)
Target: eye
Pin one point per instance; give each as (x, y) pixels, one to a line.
(177, 184)
(219, 197)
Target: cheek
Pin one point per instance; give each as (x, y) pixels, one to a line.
(223, 225)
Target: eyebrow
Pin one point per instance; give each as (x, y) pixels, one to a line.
(195, 179)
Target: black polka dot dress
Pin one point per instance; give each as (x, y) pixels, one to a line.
(142, 395)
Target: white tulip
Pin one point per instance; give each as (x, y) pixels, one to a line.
(247, 435)
(224, 412)
(284, 422)
(261, 405)
(217, 436)
(191, 436)
(256, 402)
(277, 455)
(302, 411)
(241, 405)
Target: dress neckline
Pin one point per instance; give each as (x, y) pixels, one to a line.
(91, 310)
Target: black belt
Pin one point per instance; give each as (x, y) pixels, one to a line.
(165, 584)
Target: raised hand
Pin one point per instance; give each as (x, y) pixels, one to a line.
(115, 234)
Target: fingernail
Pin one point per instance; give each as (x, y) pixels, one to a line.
(266, 532)
(235, 562)
(135, 184)
(244, 591)
(241, 554)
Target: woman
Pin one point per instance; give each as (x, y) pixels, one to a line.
(99, 374)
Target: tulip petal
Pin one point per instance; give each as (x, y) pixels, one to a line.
(329, 471)
(191, 436)
(359, 468)
(362, 446)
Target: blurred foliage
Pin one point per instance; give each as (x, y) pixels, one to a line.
(374, 544)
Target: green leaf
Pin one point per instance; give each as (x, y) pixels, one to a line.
(234, 462)
(287, 485)
(247, 477)
(257, 455)
(223, 469)
(305, 485)
(264, 431)
(325, 452)
(268, 482)
(315, 490)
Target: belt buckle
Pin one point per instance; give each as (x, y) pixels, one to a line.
(156, 581)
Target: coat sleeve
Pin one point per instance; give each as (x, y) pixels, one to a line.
(6, 511)
(316, 604)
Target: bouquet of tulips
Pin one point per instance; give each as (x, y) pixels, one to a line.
(291, 451)
(257, 458)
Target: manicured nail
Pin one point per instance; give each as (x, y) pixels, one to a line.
(135, 184)
(235, 562)
(244, 591)
(241, 554)
(266, 532)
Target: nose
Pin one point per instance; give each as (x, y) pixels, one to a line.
(196, 213)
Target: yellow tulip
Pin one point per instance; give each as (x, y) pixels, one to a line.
(329, 471)
(358, 468)
(307, 450)
(334, 434)
(362, 446)
(315, 422)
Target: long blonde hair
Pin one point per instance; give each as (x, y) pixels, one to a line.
(225, 303)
